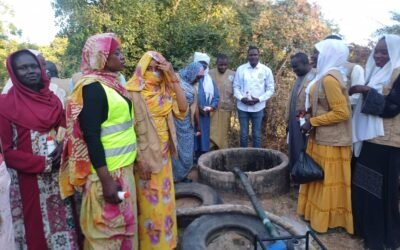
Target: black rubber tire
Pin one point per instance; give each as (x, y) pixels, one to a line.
(203, 230)
(205, 193)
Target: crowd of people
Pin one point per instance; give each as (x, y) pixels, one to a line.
(91, 162)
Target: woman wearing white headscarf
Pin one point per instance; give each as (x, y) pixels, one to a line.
(327, 203)
(207, 100)
(376, 127)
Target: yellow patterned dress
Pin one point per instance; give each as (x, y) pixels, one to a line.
(156, 197)
(327, 203)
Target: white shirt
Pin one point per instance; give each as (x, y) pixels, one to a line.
(357, 78)
(257, 82)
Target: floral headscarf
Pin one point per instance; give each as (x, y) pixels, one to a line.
(138, 81)
(75, 165)
(155, 90)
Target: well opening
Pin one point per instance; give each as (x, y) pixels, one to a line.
(265, 168)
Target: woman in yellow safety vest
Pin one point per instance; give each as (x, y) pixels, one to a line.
(101, 148)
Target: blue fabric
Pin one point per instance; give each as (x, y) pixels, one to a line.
(184, 129)
(188, 74)
(202, 142)
(256, 122)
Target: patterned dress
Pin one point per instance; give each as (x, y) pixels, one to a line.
(55, 216)
(156, 197)
(6, 226)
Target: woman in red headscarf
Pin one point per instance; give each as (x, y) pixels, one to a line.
(29, 114)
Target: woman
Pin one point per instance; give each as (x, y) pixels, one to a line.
(185, 128)
(101, 148)
(6, 226)
(42, 220)
(208, 98)
(376, 124)
(327, 203)
(157, 97)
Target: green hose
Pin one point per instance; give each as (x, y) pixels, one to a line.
(256, 204)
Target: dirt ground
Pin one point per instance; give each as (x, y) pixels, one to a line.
(285, 206)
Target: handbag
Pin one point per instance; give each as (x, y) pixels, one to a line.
(306, 170)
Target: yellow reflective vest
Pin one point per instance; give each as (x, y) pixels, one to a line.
(117, 132)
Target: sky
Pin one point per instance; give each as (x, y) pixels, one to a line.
(357, 19)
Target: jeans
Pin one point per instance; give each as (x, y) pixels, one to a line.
(256, 121)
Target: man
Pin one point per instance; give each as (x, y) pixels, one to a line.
(302, 68)
(207, 100)
(253, 86)
(221, 118)
(354, 74)
(52, 71)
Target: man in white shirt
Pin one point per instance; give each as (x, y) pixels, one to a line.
(253, 86)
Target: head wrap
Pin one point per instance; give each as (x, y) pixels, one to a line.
(40, 111)
(332, 55)
(367, 127)
(207, 81)
(191, 71)
(201, 57)
(137, 82)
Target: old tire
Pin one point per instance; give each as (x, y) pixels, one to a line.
(206, 194)
(207, 227)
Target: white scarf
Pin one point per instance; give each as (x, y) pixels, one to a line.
(332, 54)
(367, 127)
(208, 85)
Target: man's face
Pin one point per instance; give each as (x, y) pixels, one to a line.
(298, 67)
(253, 57)
(222, 65)
(27, 69)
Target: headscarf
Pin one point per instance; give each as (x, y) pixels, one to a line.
(75, 165)
(39, 111)
(208, 85)
(187, 76)
(367, 127)
(95, 53)
(155, 90)
(332, 54)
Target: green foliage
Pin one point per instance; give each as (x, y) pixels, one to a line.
(391, 29)
(177, 28)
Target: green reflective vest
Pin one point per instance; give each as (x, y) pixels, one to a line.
(117, 132)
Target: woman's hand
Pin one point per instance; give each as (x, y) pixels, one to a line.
(56, 155)
(359, 89)
(109, 185)
(142, 169)
(165, 66)
(306, 127)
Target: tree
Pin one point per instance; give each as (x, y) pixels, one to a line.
(391, 29)
(8, 44)
(177, 28)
